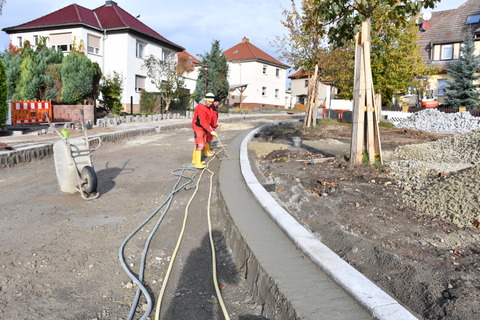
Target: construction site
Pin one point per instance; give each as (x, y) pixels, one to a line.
(272, 228)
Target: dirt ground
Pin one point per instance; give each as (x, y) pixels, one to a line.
(431, 266)
(60, 253)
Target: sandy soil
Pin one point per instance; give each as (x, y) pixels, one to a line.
(60, 253)
(429, 265)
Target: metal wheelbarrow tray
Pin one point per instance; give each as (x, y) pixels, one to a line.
(74, 166)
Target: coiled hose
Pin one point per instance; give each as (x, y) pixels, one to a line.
(166, 205)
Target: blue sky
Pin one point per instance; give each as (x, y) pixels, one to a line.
(191, 24)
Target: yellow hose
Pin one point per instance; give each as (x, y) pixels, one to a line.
(179, 240)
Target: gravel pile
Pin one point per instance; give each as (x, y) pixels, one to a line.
(441, 177)
(436, 121)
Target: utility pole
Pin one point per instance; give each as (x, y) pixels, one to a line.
(205, 74)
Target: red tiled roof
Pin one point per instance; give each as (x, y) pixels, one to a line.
(247, 51)
(300, 74)
(109, 17)
(186, 62)
(72, 14)
(448, 26)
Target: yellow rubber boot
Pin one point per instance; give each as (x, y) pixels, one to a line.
(198, 160)
(207, 151)
(193, 157)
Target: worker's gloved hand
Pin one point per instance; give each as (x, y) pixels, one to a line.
(213, 133)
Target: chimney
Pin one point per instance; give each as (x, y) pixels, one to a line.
(245, 40)
(110, 3)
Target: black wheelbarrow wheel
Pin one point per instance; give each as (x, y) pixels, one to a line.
(89, 180)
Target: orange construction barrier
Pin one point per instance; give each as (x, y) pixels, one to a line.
(24, 112)
(430, 104)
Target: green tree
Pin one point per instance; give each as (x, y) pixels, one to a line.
(54, 89)
(164, 75)
(149, 101)
(395, 53)
(12, 62)
(112, 89)
(214, 67)
(396, 60)
(3, 96)
(80, 79)
(34, 80)
(304, 47)
(463, 91)
(343, 20)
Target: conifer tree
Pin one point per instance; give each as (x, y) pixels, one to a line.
(3, 96)
(80, 78)
(462, 91)
(215, 68)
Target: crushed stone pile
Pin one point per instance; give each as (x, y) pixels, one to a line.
(441, 177)
(435, 121)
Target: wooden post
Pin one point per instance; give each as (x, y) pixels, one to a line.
(241, 89)
(369, 92)
(378, 117)
(311, 114)
(356, 146)
(364, 101)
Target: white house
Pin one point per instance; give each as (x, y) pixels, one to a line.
(109, 35)
(299, 82)
(257, 80)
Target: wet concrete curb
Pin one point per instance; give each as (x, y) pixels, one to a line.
(287, 284)
(377, 302)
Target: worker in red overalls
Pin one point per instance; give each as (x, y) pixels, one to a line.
(214, 123)
(202, 129)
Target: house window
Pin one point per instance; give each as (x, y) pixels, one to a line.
(166, 55)
(264, 91)
(301, 99)
(306, 83)
(140, 83)
(446, 52)
(277, 72)
(140, 52)
(62, 47)
(35, 40)
(276, 93)
(264, 69)
(474, 18)
(93, 44)
(441, 87)
(61, 41)
(20, 42)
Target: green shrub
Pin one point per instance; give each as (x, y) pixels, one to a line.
(240, 111)
(112, 89)
(3, 96)
(148, 101)
(386, 124)
(80, 78)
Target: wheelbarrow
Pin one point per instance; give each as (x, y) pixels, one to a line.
(73, 163)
